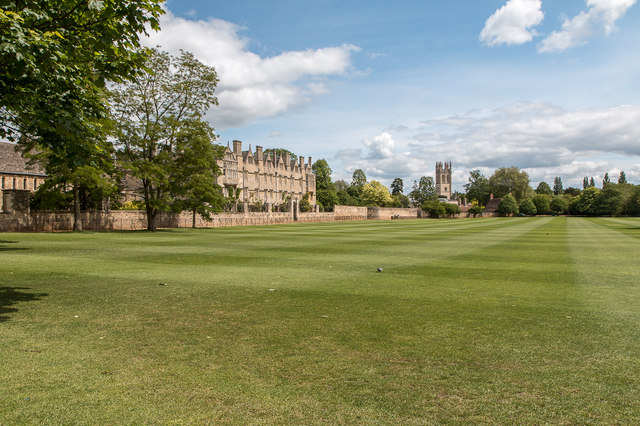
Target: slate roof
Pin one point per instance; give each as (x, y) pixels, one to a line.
(11, 162)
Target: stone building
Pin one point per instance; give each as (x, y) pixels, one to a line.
(15, 174)
(443, 180)
(265, 179)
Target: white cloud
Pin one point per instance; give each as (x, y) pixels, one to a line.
(381, 146)
(252, 87)
(541, 138)
(513, 23)
(599, 18)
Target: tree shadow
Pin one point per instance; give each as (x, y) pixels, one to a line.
(3, 248)
(10, 296)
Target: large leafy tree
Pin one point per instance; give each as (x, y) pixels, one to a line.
(423, 191)
(158, 117)
(508, 206)
(510, 180)
(376, 194)
(397, 186)
(544, 189)
(478, 188)
(56, 56)
(326, 193)
(195, 171)
(358, 180)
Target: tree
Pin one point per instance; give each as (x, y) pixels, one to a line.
(151, 112)
(606, 180)
(56, 58)
(508, 206)
(476, 210)
(325, 189)
(401, 200)
(305, 204)
(622, 178)
(323, 175)
(423, 191)
(451, 209)
(195, 171)
(344, 197)
(544, 188)
(478, 188)
(592, 183)
(557, 185)
(397, 186)
(574, 192)
(510, 180)
(376, 194)
(542, 203)
(357, 185)
(559, 204)
(434, 208)
(527, 207)
(585, 182)
(584, 203)
(279, 152)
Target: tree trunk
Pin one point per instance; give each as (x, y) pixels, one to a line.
(193, 225)
(77, 221)
(151, 219)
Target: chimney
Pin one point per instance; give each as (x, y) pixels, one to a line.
(286, 160)
(237, 147)
(259, 155)
(491, 196)
(301, 162)
(310, 163)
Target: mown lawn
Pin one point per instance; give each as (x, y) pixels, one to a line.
(522, 320)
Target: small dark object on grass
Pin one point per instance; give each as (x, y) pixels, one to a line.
(379, 269)
(162, 284)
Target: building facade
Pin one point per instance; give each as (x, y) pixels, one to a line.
(15, 174)
(443, 180)
(265, 179)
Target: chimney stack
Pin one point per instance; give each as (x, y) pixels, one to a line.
(237, 147)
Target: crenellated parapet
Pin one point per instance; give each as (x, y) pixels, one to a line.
(266, 178)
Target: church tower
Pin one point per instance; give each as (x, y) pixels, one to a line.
(443, 179)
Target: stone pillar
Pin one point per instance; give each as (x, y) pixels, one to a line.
(295, 208)
(316, 208)
(245, 207)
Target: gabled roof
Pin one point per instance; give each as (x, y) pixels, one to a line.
(12, 162)
(492, 205)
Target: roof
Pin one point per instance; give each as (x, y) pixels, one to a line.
(11, 162)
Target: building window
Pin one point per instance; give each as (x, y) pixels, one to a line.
(14, 183)
(2, 183)
(35, 184)
(24, 183)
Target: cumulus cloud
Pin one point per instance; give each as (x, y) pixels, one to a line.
(543, 139)
(252, 87)
(513, 23)
(599, 18)
(381, 146)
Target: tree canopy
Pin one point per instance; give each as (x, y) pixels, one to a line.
(376, 194)
(478, 188)
(423, 191)
(157, 117)
(510, 180)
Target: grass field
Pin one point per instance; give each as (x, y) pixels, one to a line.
(522, 320)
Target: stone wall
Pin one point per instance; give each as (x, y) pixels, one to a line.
(388, 213)
(130, 220)
(349, 213)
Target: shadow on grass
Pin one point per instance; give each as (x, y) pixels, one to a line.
(3, 248)
(9, 296)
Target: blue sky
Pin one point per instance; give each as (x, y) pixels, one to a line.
(393, 87)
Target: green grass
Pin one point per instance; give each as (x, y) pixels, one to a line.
(522, 320)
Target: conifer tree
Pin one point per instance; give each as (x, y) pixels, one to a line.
(622, 178)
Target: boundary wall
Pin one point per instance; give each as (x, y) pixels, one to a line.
(131, 220)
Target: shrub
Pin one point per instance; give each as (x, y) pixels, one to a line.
(476, 210)
(434, 208)
(451, 209)
(527, 207)
(508, 206)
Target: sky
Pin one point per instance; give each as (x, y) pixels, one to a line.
(552, 87)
